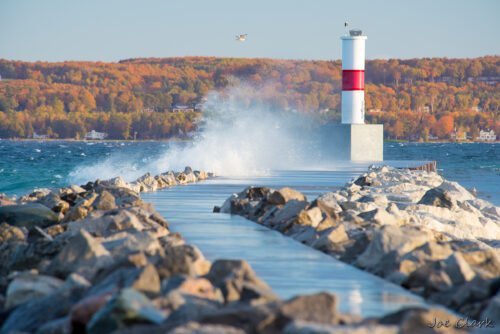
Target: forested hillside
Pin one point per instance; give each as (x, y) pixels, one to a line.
(414, 98)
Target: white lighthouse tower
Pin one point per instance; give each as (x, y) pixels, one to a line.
(353, 139)
(353, 78)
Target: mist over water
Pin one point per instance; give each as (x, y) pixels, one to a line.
(238, 136)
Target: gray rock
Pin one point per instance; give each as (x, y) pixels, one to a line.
(438, 197)
(28, 215)
(304, 327)
(238, 281)
(144, 279)
(125, 308)
(391, 238)
(381, 217)
(57, 326)
(83, 255)
(492, 310)
(329, 238)
(458, 269)
(196, 328)
(30, 316)
(29, 286)
(319, 308)
(105, 201)
(280, 197)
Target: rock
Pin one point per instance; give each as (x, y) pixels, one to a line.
(418, 320)
(57, 326)
(168, 179)
(319, 308)
(76, 213)
(288, 214)
(329, 238)
(10, 233)
(200, 175)
(284, 195)
(29, 286)
(458, 269)
(144, 279)
(438, 197)
(250, 318)
(105, 201)
(123, 309)
(237, 281)
(181, 178)
(390, 238)
(124, 243)
(304, 327)
(381, 217)
(363, 181)
(33, 254)
(196, 328)
(28, 215)
(485, 262)
(5, 200)
(456, 191)
(176, 265)
(200, 265)
(427, 280)
(54, 202)
(83, 255)
(82, 312)
(492, 310)
(30, 316)
(147, 183)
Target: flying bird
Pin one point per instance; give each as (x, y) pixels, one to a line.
(241, 38)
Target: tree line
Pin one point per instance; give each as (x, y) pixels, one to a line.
(413, 98)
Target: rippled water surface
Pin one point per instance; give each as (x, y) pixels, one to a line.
(25, 165)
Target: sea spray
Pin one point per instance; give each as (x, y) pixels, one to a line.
(239, 135)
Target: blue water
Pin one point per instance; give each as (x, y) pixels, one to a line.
(25, 165)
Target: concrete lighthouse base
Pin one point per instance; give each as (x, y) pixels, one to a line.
(357, 142)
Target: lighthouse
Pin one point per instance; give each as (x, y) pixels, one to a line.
(354, 140)
(353, 77)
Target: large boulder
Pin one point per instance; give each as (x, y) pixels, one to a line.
(391, 238)
(30, 316)
(280, 197)
(30, 286)
(438, 197)
(83, 255)
(238, 281)
(319, 308)
(28, 215)
(125, 308)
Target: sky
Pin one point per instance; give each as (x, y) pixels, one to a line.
(110, 30)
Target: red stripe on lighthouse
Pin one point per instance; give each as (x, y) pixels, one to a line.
(353, 80)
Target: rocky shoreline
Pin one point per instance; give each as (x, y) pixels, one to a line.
(98, 259)
(413, 228)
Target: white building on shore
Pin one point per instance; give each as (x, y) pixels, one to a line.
(94, 135)
(487, 135)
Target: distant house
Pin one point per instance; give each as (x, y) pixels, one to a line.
(37, 136)
(94, 135)
(487, 135)
(182, 108)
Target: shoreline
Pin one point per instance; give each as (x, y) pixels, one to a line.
(413, 228)
(97, 258)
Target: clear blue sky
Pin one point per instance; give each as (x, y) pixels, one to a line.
(110, 30)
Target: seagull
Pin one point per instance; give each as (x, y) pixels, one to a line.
(241, 38)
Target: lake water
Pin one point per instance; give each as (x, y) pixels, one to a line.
(25, 165)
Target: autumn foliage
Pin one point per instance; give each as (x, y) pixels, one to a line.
(413, 98)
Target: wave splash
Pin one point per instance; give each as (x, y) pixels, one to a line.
(237, 137)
